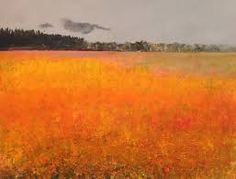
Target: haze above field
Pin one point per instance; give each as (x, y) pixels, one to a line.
(187, 21)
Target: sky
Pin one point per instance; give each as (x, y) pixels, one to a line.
(184, 21)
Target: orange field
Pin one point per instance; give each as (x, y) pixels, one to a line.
(117, 115)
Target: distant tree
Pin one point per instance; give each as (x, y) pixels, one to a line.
(37, 40)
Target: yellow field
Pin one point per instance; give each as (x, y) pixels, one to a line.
(117, 115)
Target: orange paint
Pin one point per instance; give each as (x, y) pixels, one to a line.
(84, 115)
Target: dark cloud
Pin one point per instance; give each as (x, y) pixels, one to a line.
(82, 27)
(45, 25)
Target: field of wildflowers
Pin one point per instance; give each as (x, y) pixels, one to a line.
(117, 115)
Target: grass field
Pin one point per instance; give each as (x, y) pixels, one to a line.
(117, 115)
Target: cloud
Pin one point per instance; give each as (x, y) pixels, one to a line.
(46, 25)
(82, 27)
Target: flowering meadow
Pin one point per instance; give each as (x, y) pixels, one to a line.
(117, 115)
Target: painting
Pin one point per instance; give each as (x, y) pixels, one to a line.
(124, 89)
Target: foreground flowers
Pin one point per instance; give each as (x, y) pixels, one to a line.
(90, 118)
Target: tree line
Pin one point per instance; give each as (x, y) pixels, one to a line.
(31, 39)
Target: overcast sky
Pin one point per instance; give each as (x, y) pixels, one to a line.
(189, 21)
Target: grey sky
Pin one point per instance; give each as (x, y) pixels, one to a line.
(190, 21)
